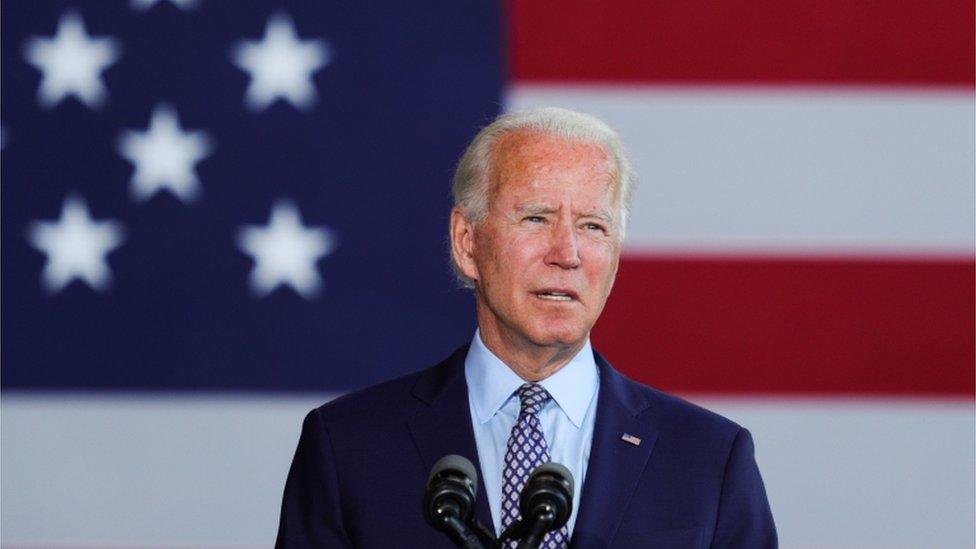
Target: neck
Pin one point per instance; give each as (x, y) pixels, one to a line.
(529, 361)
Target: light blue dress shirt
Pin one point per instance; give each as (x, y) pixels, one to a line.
(567, 419)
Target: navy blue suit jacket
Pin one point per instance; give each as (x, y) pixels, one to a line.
(362, 462)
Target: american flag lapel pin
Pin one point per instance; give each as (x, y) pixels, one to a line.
(631, 439)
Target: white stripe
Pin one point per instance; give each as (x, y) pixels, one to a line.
(805, 171)
(864, 474)
(208, 470)
(151, 471)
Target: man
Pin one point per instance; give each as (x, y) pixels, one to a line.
(541, 202)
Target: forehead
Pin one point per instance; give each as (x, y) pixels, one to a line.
(533, 159)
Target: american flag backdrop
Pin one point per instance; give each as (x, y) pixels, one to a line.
(216, 215)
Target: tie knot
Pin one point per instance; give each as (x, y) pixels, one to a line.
(533, 397)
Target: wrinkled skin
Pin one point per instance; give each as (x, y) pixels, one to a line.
(545, 256)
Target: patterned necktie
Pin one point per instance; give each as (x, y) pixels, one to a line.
(526, 451)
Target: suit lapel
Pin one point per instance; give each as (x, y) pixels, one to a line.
(445, 426)
(615, 465)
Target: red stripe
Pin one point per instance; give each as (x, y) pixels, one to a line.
(793, 326)
(744, 41)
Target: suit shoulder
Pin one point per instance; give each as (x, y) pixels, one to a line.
(669, 412)
(380, 400)
(396, 398)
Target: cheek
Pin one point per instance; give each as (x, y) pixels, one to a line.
(498, 261)
(517, 252)
(515, 266)
(603, 262)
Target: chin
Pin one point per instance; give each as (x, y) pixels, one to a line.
(555, 336)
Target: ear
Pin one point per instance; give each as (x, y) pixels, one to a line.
(462, 243)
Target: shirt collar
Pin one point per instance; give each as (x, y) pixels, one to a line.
(491, 382)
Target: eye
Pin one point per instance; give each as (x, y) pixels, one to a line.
(535, 219)
(591, 226)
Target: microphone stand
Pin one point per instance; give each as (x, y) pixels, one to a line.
(459, 531)
(531, 529)
(538, 529)
(449, 501)
(485, 534)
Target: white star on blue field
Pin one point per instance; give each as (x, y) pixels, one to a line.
(285, 252)
(76, 247)
(72, 63)
(165, 156)
(281, 65)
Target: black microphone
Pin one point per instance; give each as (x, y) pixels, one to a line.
(448, 503)
(545, 503)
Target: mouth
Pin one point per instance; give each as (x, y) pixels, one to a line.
(556, 294)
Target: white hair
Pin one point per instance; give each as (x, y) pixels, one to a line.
(472, 189)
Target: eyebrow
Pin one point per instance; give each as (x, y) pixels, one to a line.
(603, 216)
(535, 209)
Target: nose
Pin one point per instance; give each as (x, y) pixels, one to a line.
(563, 247)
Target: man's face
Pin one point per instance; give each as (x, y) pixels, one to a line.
(545, 256)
